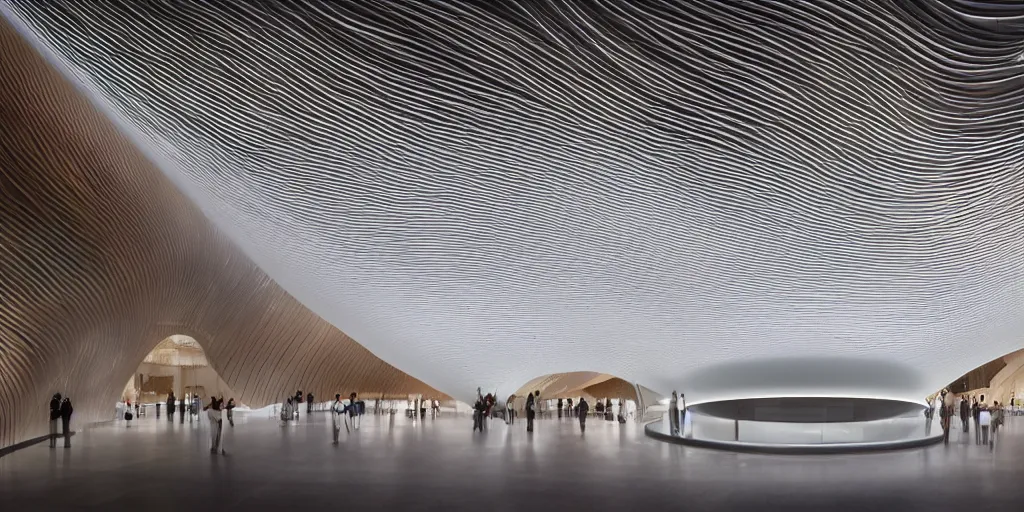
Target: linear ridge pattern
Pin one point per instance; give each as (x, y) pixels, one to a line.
(101, 258)
(485, 192)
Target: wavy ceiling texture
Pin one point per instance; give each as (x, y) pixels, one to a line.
(101, 258)
(484, 192)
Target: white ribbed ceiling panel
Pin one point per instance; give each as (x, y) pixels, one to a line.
(714, 196)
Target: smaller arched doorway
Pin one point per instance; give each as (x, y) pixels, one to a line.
(608, 396)
(176, 365)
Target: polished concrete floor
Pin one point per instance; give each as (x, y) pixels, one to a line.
(441, 465)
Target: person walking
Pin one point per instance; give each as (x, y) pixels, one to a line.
(945, 414)
(673, 414)
(213, 414)
(65, 418)
(337, 416)
(984, 421)
(128, 413)
(584, 408)
(353, 410)
(181, 409)
(559, 408)
(171, 401)
(532, 406)
(54, 418)
(309, 404)
(231, 412)
(975, 413)
(965, 414)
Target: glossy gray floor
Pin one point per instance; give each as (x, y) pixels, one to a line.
(442, 465)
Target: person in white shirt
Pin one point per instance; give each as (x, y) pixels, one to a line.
(337, 416)
(214, 415)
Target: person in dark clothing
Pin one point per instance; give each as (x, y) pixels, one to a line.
(65, 419)
(583, 409)
(559, 407)
(945, 412)
(54, 417)
(181, 409)
(568, 407)
(478, 414)
(531, 409)
(231, 412)
(309, 403)
(975, 413)
(965, 414)
(171, 401)
(608, 410)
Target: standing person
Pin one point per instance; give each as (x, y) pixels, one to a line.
(286, 411)
(128, 413)
(965, 414)
(531, 409)
(337, 416)
(353, 410)
(214, 415)
(54, 417)
(510, 410)
(946, 414)
(181, 409)
(568, 407)
(559, 408)
(478, 413)
(975, 413)
(171, 401)
(582, 413)
(231, 412)
(226, 435)
(309, 404)
(65, 419)
(984, 420)
(673, 414)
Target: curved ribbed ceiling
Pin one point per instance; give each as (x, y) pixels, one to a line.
(483, 192)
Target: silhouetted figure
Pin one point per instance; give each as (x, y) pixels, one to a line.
(975, 413)
(531, 409)
(213, 413)
(65, 418)
(309, 403)
(181, 409)
(231, 412)
(965, 414)
(54, 418)
(128, 414)
(673, 414)
(945, 414)
(559, 408)
(353, 410)
(171, 402)
(582, 411)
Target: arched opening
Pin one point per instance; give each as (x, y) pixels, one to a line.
(176, 366)
(608, 397)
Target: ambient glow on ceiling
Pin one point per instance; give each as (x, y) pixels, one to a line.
(680, 194)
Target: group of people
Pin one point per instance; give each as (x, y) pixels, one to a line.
(483, 408)
(215, 414)
(986, 419)
(342, 414)
(60, 410)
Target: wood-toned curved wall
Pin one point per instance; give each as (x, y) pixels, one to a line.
(101, 257)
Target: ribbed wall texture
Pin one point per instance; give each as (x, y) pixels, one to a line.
(101, 258)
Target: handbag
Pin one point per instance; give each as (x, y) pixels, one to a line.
(128, 416)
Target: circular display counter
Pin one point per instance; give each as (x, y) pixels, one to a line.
(802, 425)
